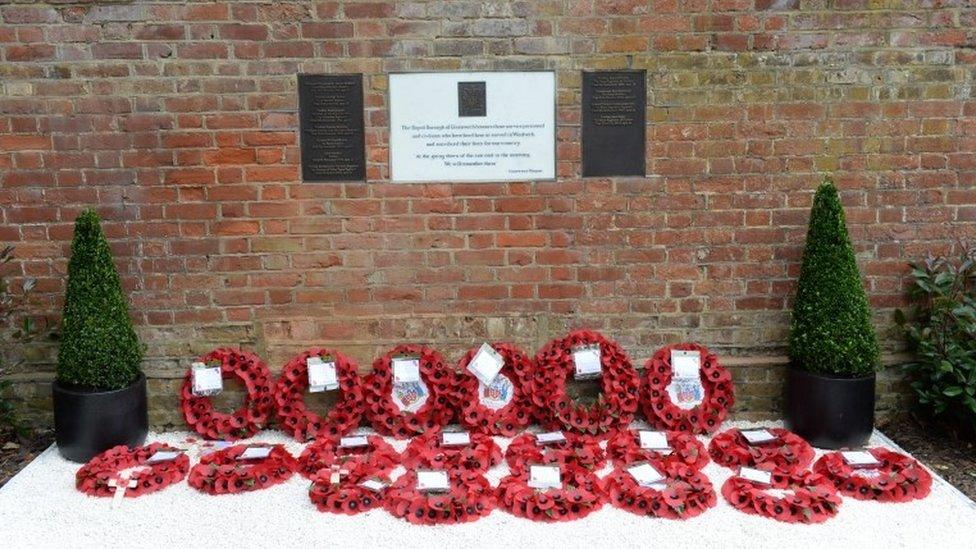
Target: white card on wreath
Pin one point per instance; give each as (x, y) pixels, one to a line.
(431, 481)
(321, 375)
(255, 452)
(406, 370)
(860, 459)
(163, 455)
(553, 437)
(587, 362)
(686, 364)
(654, 440)
(353, 442)
(455, 439)
(645, 474)
(486, 364)
(758, 436)
(756, 475)
(544, 476)
(207, 381)
(373, 485)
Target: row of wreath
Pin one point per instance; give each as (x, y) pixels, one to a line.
(539, 394)
(351, 480)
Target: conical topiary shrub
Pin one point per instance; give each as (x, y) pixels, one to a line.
(99, 348)
(831, 331)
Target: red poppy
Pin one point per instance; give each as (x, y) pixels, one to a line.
(813, 500)
(199, 413)
(704, 418)
(687, 493)
(427, 450)
(787, 454)
(582, 493)
(624, 447)
(898, 478)
(378, 456)
(578, 450)
(304, 424)
(436, 411)
(94, 477)
(469, 498)
(222, 472)
(511, 418)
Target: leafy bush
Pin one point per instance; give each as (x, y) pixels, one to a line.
(831, 330)
(99, 349)
(942, 335)
(11, 303)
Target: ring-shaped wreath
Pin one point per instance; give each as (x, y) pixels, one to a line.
(686, 493)
(251, 417)
(378, 456)
(584, 452)
(222, 472)
(431, 398)
(624, 448)
(471, 394)
(95, 477)
(707, 416)
(898, 478)
(294, 416)
(468, 498)
(348, 496)
(813, 497)
(617, 403)
(581, 493)
(428, 450)
(789, 453)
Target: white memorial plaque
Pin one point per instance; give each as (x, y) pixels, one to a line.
(646, 475)
(755, 475)
(654, 440)
(406, 370)
(455, 439)
(207, 380)
(860, 459)
(553, 437)
(432, 481)
(587, 362)
(321, 375)
(472, 126)
(758, 436)
(486, 364)
(544, 476)
(353, 442)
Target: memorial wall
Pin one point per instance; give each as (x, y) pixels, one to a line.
(360, 174)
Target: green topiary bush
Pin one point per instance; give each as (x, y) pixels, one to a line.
(99, 349)
(831, 330)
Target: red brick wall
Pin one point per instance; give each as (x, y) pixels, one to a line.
(177, 120)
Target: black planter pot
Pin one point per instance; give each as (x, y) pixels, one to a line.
(830, 412)
(86, 422)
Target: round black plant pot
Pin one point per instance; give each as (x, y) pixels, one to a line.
(86, 422)
(830, 412)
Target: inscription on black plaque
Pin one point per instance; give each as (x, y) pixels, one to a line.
(331, 121)
(471, 99)
(614, 108)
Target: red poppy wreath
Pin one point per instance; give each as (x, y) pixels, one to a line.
(813, 497)
(581, 494)
(324, 453)
(468, 498)
(617, 403)
(787, 453)
(897, 478)
(294, 415)
(258, 402)
(228, 471)
(354, 491)
(98, 476)
(685, 493)
(577, 450)
(429, 450)
(697, 407)
(405, 409)
(625, 447)
(502, 408)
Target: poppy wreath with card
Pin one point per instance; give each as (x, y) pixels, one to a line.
(95, 477)
(617, 403)
(624, 447)
(469, 498)
(199, 413)
(787, 454)
(222, 472)
(581, 493)
(686, 493)
(898, 478)
(428, 450)
(378, 456)
(577, 450)
(706, 417)
(341, 491)
(511, 418)
(813, 499)
(436, 411)
(294, 416)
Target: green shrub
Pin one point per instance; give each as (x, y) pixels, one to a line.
(942, 335)
(99, 349)
(831, 331)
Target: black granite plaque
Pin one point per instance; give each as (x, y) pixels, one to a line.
(614, 107)
(471, 99)
(331, 121)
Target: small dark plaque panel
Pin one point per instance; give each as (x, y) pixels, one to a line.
(614, 107)
(331, 121)
(471, 99)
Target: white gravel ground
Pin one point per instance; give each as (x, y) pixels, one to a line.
(41, 508)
